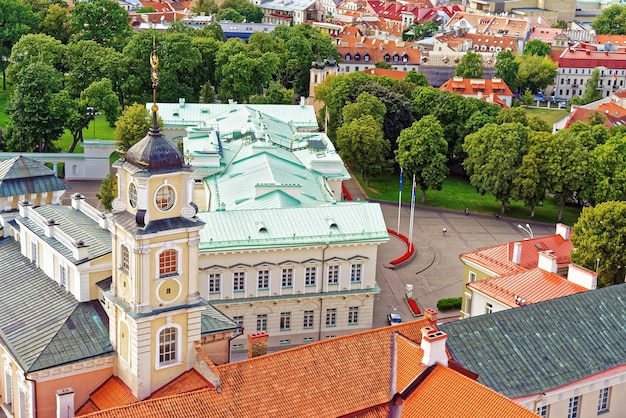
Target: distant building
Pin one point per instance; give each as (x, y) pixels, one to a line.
(494, 91)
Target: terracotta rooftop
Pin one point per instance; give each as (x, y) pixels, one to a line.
(344, 376)
(498, 258)
(614, 40)
(533, 286)
(582, 114)
(487, 89)
(383, 72)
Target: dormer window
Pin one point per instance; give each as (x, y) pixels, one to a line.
(405, 58)
(357, 57)
(348, 57)
(366, 58)
(386, 57)
(396, 58)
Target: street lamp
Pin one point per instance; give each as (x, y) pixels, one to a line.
(526, 229)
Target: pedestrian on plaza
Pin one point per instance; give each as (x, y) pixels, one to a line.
(443, 231)
(467, 212)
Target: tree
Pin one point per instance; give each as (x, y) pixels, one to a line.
(275, 94)
(208, 48)
(422, 151)
(383, 65)
(416, 78)
(535, 72)
(36, 115)
(108, 191)
(213, 30)
(471, 66)
(208, 7)
(492, 165)
(365, 104)
(420, 31)
(207, 93)
(35, 48)
(243, 76)
(229, 14)
(607, 173)
(612, 21)
(362, 147)
(102, 21)
(599, 237)
(514, 114)
(592, 93)
(16, 19)
(56, 23)
(250, 12)
(537, 47)
(531, 182)
(179, 68)
(507, 68)
(528, 98)
(132, 125)
(567, 165)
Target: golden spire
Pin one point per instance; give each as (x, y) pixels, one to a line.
(154, 63)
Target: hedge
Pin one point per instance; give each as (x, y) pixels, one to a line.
(450, 303)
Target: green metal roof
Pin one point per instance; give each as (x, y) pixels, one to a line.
(22, 176)
(213, 321)
(75, 224)
(535, 348)
(41, 324)
(288, 227)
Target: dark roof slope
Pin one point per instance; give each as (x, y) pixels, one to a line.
(41, 324)
(538, 347)
(21, 176)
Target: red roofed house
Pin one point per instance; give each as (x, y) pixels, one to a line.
(576, 64)
(523, 272)
(493, 91)
(398, 371)
(613, 108)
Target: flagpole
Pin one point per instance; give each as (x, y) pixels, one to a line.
(399, 201)
(411, 221)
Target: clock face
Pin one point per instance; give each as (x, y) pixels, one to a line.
(164, 197)
(132, 195)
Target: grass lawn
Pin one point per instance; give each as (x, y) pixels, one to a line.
(102, 131)
(548, 115)
(458, 194)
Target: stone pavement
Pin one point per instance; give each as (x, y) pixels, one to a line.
(435, 271)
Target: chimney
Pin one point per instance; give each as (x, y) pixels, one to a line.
(301, 100)
(76, 200)
(563, 230)
(582, 276)
(517, 252)
(65, 403)
(430, 314)
(257, 344)
(547, 261)
(434, 347)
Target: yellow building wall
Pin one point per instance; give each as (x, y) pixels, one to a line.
(467, 295)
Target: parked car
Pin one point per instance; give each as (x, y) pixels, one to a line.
(539, 97)
(394, 318)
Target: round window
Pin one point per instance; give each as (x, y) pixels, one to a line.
(164, 198)
(132, 195)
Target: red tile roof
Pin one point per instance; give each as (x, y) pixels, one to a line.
(352, 43)
(491, 90)
(582, 114)
(583, 56)
(383, 72)
(498, 258)
(533, 286)
(614, 40)
(111, 393)
(344, 376)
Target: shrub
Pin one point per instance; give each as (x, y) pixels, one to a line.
(450, 303)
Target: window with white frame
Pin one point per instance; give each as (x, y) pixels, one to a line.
(125, 259)
(215, 281)
(542, 411)
(488, 308)
(263, 279)
(285, 321)
(62, 276)
(331, 317)
(287, 277)
(310, 275)
(574, 407)
(168, 263)
(33, 252)
(261, 322)
(333, 274)
(356, 272)
(472, 277)
(239, 281)
(603, 401)
(8, 387)
(168, 346)
(308, 319)
(239, 321)
(353, 315)
(22, 401)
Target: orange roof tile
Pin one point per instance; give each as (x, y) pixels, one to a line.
(409, 357)
(498, 258)
(383, 72)
(581, 114)
(533, 286)
(489, 90)
(188, 381)
(615, 40)
(376, 49)
(445, 393)
(612, 110)
(110, 394)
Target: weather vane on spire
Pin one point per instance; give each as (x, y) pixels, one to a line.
(154, 63)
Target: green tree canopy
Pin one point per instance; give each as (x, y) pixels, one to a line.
(607, 172)
(492, 165)
(35, 48)
(362, 146)
(365, 104)
(275, 94)
(132, 125)
(102, 21)
(36, 115)
(532, 180)
(249, 11)
(420, 31)
(592, 93)
(536, 47)
(416, 78)
(229, 14)
(612, 21)
(383, 65)
(16, 19)
(208, 7)
(56, 23)
(535, 72)
(471, 66)
(599, 237)
(422, 151)
(507, 68)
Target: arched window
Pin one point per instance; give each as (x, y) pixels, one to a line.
(168, 263)
(386, 57)
(169, 350)
(348, 57)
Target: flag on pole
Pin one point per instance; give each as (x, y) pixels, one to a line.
(400, 178)
(414, 191)
(399, 200)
